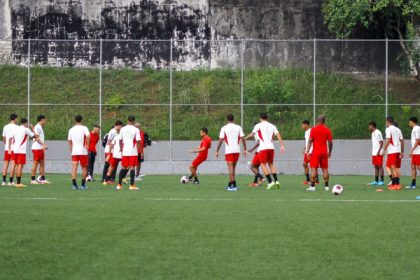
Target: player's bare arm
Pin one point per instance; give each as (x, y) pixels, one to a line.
(381, 143)
(281, 142)
(87, 142)
(198, 150)
(402, 148)
(219, 145)
(416, 144)
(10, 146)
(253, 148)
(244, 145)
(330, 148)
(70, 146)
(139, 145)
(121, 145)
(310, 142)
(249, 136)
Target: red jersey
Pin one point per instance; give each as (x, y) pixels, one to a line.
(205, 143)
(320, 135)
(94, 138)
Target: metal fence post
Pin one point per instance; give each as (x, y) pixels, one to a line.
(170, 102)
(314, 84)
(242, 81)
(29, 82)
(100, 99)
(386, 77)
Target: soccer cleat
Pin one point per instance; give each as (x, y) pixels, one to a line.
(11, 184)
(35, 182)
(398, 187)
(270, 186)
(327, 189)
(138, 178)
(380, 183)
(20, 185)
(89, 178)
(232, 189)
(306, 182)
(390, 183)
(4, 184)
(261, 182)
(119, 187)
(133, 188)
(277, 185)
(310, 189)
(394, 188)
(83, 188)
(196, 182)
(411, 187)
(124, 181)
(374, 183)
(74, 187)
(253, 185)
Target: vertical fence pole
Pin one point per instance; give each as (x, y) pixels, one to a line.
(100, 99)
(314, 84)
(29, 82)
(170, 102)
(242, 81)
(386, 77)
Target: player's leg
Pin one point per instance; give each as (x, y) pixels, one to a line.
(326, 177)
(12, 171)
(381, 175)
(84, 163)
(74, 166)
(91, 165)
(314, 164)
(5, 168)
(33, 172)
(106, 167)
(306, 170)
(42, 172)
(125, 162)
(19, 168)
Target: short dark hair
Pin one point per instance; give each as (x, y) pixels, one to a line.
(13, 117)
(372, 123)
(230, 117)
(390, 119)
(23, 120)
(40, 118)
(96, 126)
(263, 116)
(78, 118)
(306, 122)
(118, 123)
(205, 130)
(131, 118)
(413, 119)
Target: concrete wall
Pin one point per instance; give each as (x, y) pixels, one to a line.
(349, 157)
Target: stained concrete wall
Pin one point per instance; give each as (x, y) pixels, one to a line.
(349, 157)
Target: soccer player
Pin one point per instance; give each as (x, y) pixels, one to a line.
(94, 139)
(113, 160)
(306, 126)
(20, 138)
(79, 139)
(231, 134)
(111, 135)
(255, 165)
(8, 130)
(141, 152)
(394, 145)
(265, 132)
(38, 151)
(377, 154)
(415, 151)
(319, 137)
(130, 143)
(202, 153)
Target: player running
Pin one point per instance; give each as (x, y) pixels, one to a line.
(38, 151)
(129, 145)
(265, 132)
(202, 153)
(415, 151)
(79, 139)
(109, 137)
(231, 134)
(394, 145)
(114, 158)
(94, 139)
(377, 154)
(255, 165)
(20, 138)
(321, 143)
(8, 131)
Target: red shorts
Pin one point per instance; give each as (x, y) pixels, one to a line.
(306, 158)
(198, 160)
(19, 158)
(7, 156)
(129, 161)
(232, 157)
(39, 155)
(256, 160)
(377, 160)
(319, 160)
(114, 162)
(106, 155)
(266, 156)
(415, 159)
(393, 160)
(83, 159)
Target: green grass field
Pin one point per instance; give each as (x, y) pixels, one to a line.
(172, 231)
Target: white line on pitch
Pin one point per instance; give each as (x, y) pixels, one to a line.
(360, 200)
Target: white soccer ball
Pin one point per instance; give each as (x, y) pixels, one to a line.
(337, 190)
(184, 179)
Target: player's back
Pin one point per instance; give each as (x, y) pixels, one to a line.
(231, 133)
(8, 131)
(320, 136)
(78, 135)
(395, 135)
(38, 130)
(130, 135)
(116, 146)
(265, 132)
(20, 137)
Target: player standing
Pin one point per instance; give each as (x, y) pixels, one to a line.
(265, 132)
(319, 137)
(377, 154)
(130, 142)
(94, 139)
(415, 151)
(202, 153)
(38, 151)
(255, 165)
(110, 136)
(394, 145)
(79, 139)
(306, 126)
(141, 152)
(113, 160)
(231, 134)
(8, 130)
(20, 138)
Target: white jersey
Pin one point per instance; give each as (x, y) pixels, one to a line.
(307, 138)
(111, 135)
(265, 132)
(116, 150)
(130, 135)
(78, 135)
(376, 142)
(394, 134)
(20, 136)
(8, 131)
(38, 130)
(415, 135)
(231, 134)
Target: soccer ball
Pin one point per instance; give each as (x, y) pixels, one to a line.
(184, 179)
(337, 190)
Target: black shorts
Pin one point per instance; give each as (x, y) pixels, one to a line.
(140, 159)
